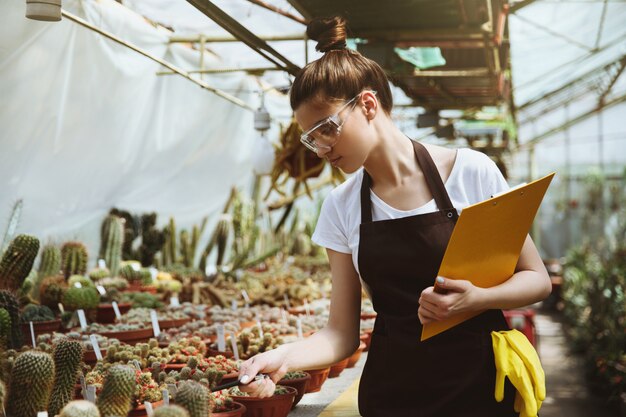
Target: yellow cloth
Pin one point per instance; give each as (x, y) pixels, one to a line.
(517, 359)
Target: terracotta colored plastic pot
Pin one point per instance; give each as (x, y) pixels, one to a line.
(132, 337)
(39, 327)
(212, 352)
(238, 411)
(229, 377)
(300, 384)
(168, 324)
(356, 356)
(105, 313)
(274, 406)
(337, 368)
(89, 357)
(140, 410)
(173, 366)
(368, 316)
(318, 377)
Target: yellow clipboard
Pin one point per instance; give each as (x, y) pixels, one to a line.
(486, 242)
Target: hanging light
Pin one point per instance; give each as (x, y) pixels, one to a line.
(263, 157)
(44, 10)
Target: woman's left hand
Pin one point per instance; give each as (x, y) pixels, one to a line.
(461, 295)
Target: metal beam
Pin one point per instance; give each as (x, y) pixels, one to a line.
(239, 31)
(198, 38)
(278, 10)
(612, 82)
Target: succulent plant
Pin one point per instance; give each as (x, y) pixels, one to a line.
(81, 298)
(35, 312)
(152, 239)
(144, 299)
(146, 389)
(133, 272)
(80, 408)
(97, 274)
(51, 291)
(170, 411)
(17, 261)
(74, 259)
(112, 242)
(11, 305)
(50, 265)
(31, 382)
(117, 391)
(68, 355)
(235, 391)
(251, 342)
(294, 375)
(5, 328)
(194, 397)
(221, 401)
(83, 280)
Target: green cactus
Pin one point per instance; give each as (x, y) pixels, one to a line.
(68, 355)
(5, 328)
(82, 279)
(171, 411)
(134, 273)
(301, 245)
(194, 397)
(117, 391)
(80, 408)
(35, 312)
(222, 233)
(81, 298)
(74, 259)
(152, 239)
(51, 291)
(11, 305)
(17, 261)
(112, 242)
(99, 273)
(31, 382)
(50, 265)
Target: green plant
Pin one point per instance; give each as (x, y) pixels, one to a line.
(83, 280)
(50, 265)
(112, 242)
(194, 397)
(133, 272)
(99, 273)
(221, 401)
(51, 291)
(17, 261)
(80, 408)
(31, 382)
(35, 312)
(74, 259)
(5, 328)
(144, 299)
(117, 391)
(11, 305)
(68, 355)
(294, 375)
(152, 239)
(81, 298)
(171, 411)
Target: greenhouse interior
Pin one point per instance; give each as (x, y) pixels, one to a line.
(200, 258)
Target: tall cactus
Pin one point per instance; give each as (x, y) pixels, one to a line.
(171, 411)
(221, 234)
(112, 242)
(117, 391)
(17, 261)
(68, 355)
(31, 382)
(49, 265)
(9, 302)
(74, 259)
(194, 397)
(80, 408)
(5, 328)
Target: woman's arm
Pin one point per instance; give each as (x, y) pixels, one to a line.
(529, 284)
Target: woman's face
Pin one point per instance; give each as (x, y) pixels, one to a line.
(356, 137)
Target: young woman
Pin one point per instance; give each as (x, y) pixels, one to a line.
(387, 228)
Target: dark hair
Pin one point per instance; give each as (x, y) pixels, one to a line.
(341, 73)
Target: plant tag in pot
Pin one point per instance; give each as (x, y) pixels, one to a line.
(149, 409)
(221, 340)
(32, 333)
(91, 393)
(101, 290)
(246, 298)
(286, 298)
(155, 323)
(174, 301)
(171, 388)
(96, 346)
(299, 326)
(283, 315)
(233, 343)
(42, 414)
(116, 310)
(306, 308)
(258, 323)
(166, 396)
(82, 319)
(102, 263)
(233, 305)
(61, 308)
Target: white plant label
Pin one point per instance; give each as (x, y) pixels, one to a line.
(91, 393)
(102, 263)
(233, 343)
(174, 302)
(233, 305)
(307, 309)
(221, 339)
(61, 308)
(299, 326)
(78, 285)
(246, 298)
(210, 270)
(116, 310)
(82, 319)
(283, 315)
(101, 290)
(155, 323)
(32, 333)
(149, 409)
(83, 385)
(134, 266)
(166, 397)
(153, 273)
(96, 346)
(286, 298)
(172, 389)
(258, 323)
(42, 414)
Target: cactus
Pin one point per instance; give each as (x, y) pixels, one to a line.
(82, 279)
(194, 397)
(112, 242)
(152, 239)
(50, 265)
(17, 261)
(68, 355)
(5, 328)
(80, 408)
(301, 245)
(99, 273)
(170, 411)
(222, 232)
(35, 312)
(11, 305)
(132, 271)
(51, 291)
(74, 259)
(117, 391)
(81, 298)
(31, 382)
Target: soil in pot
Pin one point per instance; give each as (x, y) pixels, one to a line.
(274, 406)
(238, 411)
(318, 377)
(337, 368)
(300, 384)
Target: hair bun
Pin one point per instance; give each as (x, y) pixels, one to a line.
(329, 32)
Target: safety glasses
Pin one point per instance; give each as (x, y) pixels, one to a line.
(324, 135)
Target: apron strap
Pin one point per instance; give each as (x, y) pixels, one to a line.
(433, 180)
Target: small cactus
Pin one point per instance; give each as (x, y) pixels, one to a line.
(51, 291)
(31, 382)
(171, 411)
(81, 298)
(80, 408)
(5, 328)
(74, 259)
(194, 397)
(221, 233)
(50, 265)
(68, 355)
(117, 391)
(17, 261)
(111, 242)
(35, 312)
(11, 305)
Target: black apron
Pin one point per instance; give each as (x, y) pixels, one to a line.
(451, 374)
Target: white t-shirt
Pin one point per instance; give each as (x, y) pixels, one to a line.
(474, 178)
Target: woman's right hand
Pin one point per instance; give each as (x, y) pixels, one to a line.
(273, 363)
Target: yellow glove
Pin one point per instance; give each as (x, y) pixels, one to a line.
(525, 350)
(508, 363)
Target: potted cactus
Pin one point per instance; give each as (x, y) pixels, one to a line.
(278, 405)
(43, 318)
(222, 404)
(124, 332)
(298, 380)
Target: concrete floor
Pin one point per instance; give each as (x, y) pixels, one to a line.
(567, 394)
